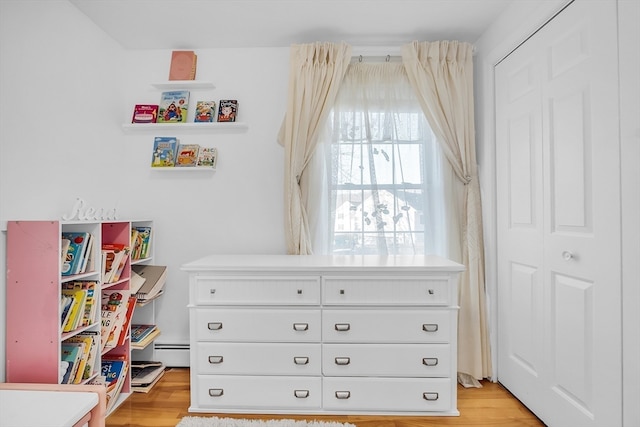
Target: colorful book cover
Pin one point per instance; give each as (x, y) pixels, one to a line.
(77, 310)
(145, 113)
(164, 151)
(114, 371)
(187, 155)
(89, 338)
(87, 343)
(173, 106)
(114, 305)
(205, 111)
(144, 244)
(124, 329)
(140, 332)
(71, 353)
(88, 314)
(78, 242)
(207, 157)
(228, 110)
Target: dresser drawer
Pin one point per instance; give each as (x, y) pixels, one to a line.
(292, 393)
(257, 290)
(258, 359)
(390, 326)
(387, 394)
(385, 290)
(256, 324)
(386, 360)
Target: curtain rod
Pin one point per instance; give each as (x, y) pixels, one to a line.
(383, 51)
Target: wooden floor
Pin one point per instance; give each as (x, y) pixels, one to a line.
(168, 402)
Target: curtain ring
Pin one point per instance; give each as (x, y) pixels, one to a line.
(360, 58)
(388, 58)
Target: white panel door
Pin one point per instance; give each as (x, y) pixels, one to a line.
(557, 145)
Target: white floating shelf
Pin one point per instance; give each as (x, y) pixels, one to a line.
(184, 84)
(183, 127)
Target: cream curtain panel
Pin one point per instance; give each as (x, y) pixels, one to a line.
(316, 71)
(442, 75)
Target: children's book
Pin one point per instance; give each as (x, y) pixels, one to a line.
(87, 316)
(183, 65)
(187, 155)
(78, 243)
(64, 247)
(205, 111)
(207, 157)
(124, 329)
(164, 151)
(114, 306)
(72, 353)
(143, 242)
(228, 110)
(90, 339)
(141, 331)
(145, 113)
(77, 309)
(114, 371)
(173, 106)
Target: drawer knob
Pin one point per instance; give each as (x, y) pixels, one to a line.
(430, 361)
(431, 291)
(215, 359)
(342, 327)
(343, 394)
(299, 291)
(301, 360)
(430, 396)
(343, 360)
(214, 326)
(212, 291)
(300, 326)
(301, 394)
(430, 327)
(216, 392)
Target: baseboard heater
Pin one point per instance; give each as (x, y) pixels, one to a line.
(172, 355)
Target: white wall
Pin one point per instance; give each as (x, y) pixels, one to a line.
(66, 90)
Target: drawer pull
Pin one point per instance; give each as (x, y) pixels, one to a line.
(431, 291)
(299, 291)
(430, 396)
(215, 359)
(300, 326)
(301, 394)
(301, 360)
(214, 326)
(430, 327)
(216, 392)
(430, 361)
(343, 360)
(343, 327)
(212, 291)
(343, 394)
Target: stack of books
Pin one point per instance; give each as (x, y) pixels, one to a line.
(145, 374)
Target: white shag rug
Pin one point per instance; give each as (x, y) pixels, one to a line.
(233, 422)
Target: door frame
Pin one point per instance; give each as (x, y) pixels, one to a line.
(517, 24)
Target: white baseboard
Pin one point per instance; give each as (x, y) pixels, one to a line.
(172, 355)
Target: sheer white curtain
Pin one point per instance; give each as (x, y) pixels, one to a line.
(385, 188)
(316, 71)
(441, 74)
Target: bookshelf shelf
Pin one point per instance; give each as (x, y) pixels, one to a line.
(183, 85)
(184, 127)
(34, 343)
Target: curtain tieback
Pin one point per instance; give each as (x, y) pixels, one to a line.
(467, 179)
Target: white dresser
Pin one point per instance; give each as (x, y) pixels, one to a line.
(323, 334)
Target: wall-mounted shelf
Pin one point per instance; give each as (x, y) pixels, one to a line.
(183, 169)
(183, 84)
(183, 127)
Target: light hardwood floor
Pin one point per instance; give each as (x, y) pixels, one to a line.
(168, 402)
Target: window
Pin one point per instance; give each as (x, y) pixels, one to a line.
(386, 186)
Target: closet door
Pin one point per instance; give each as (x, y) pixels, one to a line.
(558, 200)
